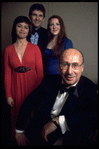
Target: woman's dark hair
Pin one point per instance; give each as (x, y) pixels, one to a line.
(59, 44)
(20, 19)
(37, 7)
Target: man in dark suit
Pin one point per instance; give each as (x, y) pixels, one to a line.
(66, 106)
(39, 34)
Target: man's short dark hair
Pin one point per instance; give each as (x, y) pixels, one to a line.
(37, 7)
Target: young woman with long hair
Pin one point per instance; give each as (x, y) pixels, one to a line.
(57, 42)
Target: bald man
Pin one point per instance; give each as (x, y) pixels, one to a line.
(66, 106)
(71, 66)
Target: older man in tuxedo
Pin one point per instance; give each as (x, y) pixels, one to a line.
(66, 106)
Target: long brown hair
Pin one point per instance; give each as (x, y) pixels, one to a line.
(59, 44)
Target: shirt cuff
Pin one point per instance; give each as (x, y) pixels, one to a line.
(19, 131)
(63, 124)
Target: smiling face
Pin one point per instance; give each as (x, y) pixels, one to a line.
(71, 76)
(22, 30)
(54, 26)
(37, 18)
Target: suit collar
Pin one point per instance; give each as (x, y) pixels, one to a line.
(55, 81)
(34, 30)
(74, 85)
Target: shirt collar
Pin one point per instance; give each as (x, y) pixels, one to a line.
(75, 92)
(71, 85)
(35, 30)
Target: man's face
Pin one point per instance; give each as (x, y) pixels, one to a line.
(37, 18)
(69, 74)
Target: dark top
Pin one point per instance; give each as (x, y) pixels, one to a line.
(52, 62)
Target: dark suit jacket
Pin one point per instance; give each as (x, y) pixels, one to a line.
(43, 38)
(80, 109)
(42, 43)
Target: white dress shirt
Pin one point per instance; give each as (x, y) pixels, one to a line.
(34, 38)
(57, 107)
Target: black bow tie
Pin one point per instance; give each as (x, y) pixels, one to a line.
(35, 31)
(64, 89)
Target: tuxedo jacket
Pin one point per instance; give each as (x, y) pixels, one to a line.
(80, 108)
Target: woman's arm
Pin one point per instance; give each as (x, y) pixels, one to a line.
(7, 78)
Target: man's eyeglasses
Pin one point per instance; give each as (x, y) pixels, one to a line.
(75, 66)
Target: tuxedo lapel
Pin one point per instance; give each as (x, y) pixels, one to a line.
(54, 89)
(52, 85)
(53, 92)
(72, 101)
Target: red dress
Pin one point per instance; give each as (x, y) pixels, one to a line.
(19, 85)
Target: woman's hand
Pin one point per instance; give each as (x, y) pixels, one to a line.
(10, 102)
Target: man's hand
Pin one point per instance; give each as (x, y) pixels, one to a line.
(21, 139)
(47, 129)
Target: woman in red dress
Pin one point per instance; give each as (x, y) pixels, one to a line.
(23, 67)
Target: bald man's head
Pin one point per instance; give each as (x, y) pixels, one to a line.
(72, 51)
(71, 66)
